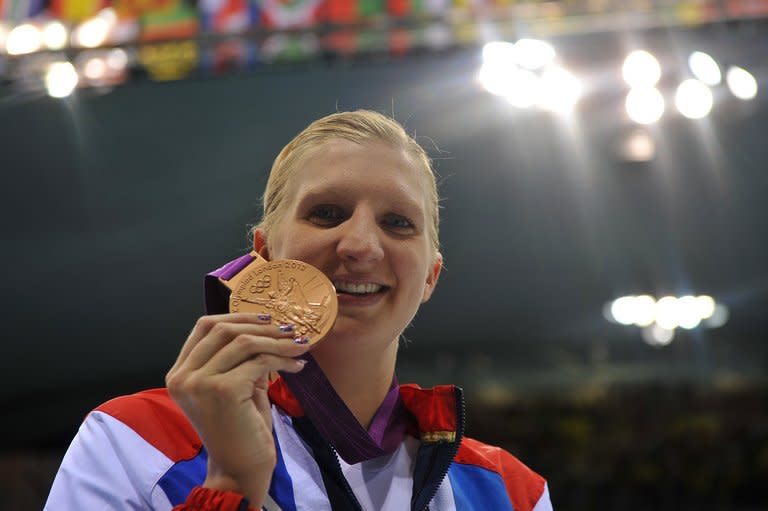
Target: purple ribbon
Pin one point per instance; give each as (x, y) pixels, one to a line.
(336, 423)
(216, 294)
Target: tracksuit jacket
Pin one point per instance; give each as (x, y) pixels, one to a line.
(140, 452)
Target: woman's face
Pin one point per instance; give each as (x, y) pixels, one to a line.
(358, 213)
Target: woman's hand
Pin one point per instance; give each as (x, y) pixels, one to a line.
(220, 380)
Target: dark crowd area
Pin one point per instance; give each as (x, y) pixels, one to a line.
(655, 447)
(650, 448)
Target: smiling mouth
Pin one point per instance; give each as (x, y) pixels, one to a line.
(359, 289)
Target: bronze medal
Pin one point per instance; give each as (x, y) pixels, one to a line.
(291, 292)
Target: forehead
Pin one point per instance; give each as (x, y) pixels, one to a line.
(342, 167)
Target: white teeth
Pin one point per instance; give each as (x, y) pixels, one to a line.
(358, 289)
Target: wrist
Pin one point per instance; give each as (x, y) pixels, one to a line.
(254, 487)
(222, 482)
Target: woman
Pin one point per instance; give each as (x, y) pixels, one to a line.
(354, 196)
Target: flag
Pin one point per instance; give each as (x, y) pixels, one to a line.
(228, 16)
(75, 11)
(289, 13)
(17, 11)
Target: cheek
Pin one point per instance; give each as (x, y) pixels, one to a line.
(301, 244)
(414, 269)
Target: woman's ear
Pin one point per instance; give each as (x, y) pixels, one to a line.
(432, 276)
(260, 244)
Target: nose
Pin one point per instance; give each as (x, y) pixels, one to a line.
(359, 240)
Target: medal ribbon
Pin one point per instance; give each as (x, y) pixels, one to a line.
(336, 423)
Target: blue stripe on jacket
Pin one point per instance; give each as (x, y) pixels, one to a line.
(281, 487)
(183, 476)
(476, 488)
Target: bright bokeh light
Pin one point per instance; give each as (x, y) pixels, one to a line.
(499, 53)
(644, 310)
(641, 69)
(706, 306)
(634, 310)
(659, 319)
(117, 59)
(3, 36)
(61, 79)
(533, 53)
(95, 68)
(524, 90)
(667, 313)
(24, 39)
(741, 83)
(108, 14)
(55, 35)
(497, 79)
(638, 146)
(622, 310)
(561, 90)
(644, 105)
(688, 315)
(704, 67)
(92, 33)
(657, 336)
(719, 317)
(693, 99)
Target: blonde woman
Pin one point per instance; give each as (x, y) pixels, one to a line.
(355, 197)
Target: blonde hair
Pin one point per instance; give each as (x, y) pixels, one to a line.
(360, 127)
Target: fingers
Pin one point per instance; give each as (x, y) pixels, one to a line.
(219, 343)
(237, 384)
(246, 346)
(268, 337)
(261, 365)
(205, 324)
(212, 332)
(220, 390)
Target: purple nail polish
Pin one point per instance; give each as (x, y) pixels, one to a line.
(301, 340)
(286, 328)
(264, 317)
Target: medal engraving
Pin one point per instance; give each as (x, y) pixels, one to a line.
(291, 292)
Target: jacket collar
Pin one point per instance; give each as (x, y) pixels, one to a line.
(433, 411)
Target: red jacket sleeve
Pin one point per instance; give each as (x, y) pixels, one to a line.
(207, 499)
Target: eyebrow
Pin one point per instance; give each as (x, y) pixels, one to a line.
(319, 193)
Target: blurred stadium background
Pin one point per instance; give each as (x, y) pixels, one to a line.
(605, 221)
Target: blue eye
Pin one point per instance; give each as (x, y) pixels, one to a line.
(399, 223)
(326, 215)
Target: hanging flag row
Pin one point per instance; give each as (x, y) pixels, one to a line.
(123, 21)
(185, 58)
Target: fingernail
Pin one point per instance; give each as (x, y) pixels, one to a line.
(264, 317)
(301, 362)
(301, 340)
(286, 328)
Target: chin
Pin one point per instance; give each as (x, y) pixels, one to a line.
(352, 331)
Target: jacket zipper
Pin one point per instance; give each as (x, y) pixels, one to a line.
(460, 411)
(323, 449)
(340, 474)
